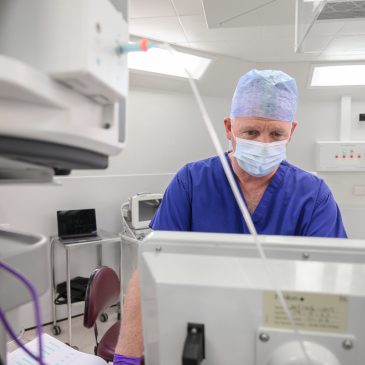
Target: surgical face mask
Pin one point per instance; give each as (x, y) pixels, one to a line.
(257, 158)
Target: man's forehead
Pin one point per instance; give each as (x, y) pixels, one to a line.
(260, 122)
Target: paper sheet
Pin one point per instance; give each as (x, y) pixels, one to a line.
(55, 352)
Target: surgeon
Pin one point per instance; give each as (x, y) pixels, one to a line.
(282, 198)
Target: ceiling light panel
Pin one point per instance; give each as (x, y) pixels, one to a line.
(338, 75)
(161, 61)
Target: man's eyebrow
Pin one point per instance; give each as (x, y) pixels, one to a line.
(278, 129)
(249, 126)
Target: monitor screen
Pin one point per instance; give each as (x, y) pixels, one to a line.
(147, 209)
(76, 222)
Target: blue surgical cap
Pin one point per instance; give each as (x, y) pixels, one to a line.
(266, 94)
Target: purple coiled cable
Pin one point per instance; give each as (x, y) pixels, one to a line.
(7, 326)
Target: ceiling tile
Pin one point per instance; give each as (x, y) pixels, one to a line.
(197, 31)
(278, 31)
(347, 45)
(326, 28)
(260, 40)
(225, 48)
(279, 51)
(353, 28)
(217, 10)
(166, 29)
(189, 7)
(238, 13)
(148, 8)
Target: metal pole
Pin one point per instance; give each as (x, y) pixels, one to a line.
(68, 288)
(121, 277)
(53, 296)
(99, 253)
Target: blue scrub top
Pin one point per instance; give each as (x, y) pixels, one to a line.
(295, 203)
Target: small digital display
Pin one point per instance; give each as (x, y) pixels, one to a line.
(147, 209)
(73, 223)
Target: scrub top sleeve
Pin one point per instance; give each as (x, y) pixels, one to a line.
(326, 220)
(174, 213)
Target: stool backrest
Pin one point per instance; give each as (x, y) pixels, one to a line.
(103, 291)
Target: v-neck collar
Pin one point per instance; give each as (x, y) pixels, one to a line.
(264, 202)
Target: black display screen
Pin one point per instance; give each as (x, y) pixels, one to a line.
(75, 223)
(147, 209)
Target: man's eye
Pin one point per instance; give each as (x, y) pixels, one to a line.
(252, 133)
(277, 134)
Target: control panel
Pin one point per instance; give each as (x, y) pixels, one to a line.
(340, 156)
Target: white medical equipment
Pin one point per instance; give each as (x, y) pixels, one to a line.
(217, 283)
(63, 90)
(63, 85)
(138, 212)
(136, 216)
(142, 209)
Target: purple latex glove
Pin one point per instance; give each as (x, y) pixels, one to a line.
(125, 360)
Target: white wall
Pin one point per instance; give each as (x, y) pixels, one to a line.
(165, 130)
(318, 118)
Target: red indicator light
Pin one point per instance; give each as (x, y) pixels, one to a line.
(336, 156)
(351, 156)
(343, 156)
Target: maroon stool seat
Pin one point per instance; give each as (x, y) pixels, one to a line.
(103, 291)
(108, 342)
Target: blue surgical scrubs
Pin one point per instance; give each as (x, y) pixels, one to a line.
(295, 203)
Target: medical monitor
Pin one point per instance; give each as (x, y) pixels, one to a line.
(218, 281)
(143, 207)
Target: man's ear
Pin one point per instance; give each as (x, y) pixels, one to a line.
(228, 126)
(294, 125)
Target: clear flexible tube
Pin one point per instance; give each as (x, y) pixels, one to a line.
(244, 211)
(126, 228)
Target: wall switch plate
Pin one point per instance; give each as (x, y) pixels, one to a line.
(340, 156)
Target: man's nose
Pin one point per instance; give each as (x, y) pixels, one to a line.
(264, 138)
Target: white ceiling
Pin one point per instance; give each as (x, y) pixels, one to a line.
(252, 30)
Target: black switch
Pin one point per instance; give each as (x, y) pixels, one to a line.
(194, 346)
(361, 117)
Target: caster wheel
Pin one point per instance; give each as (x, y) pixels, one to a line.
(56, 330)
(74, 347)
(103, 317)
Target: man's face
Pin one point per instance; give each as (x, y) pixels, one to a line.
(258, 129)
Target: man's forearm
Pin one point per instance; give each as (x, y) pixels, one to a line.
(130, 341)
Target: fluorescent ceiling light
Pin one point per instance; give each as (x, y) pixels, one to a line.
(340, 75)
(161, 61)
